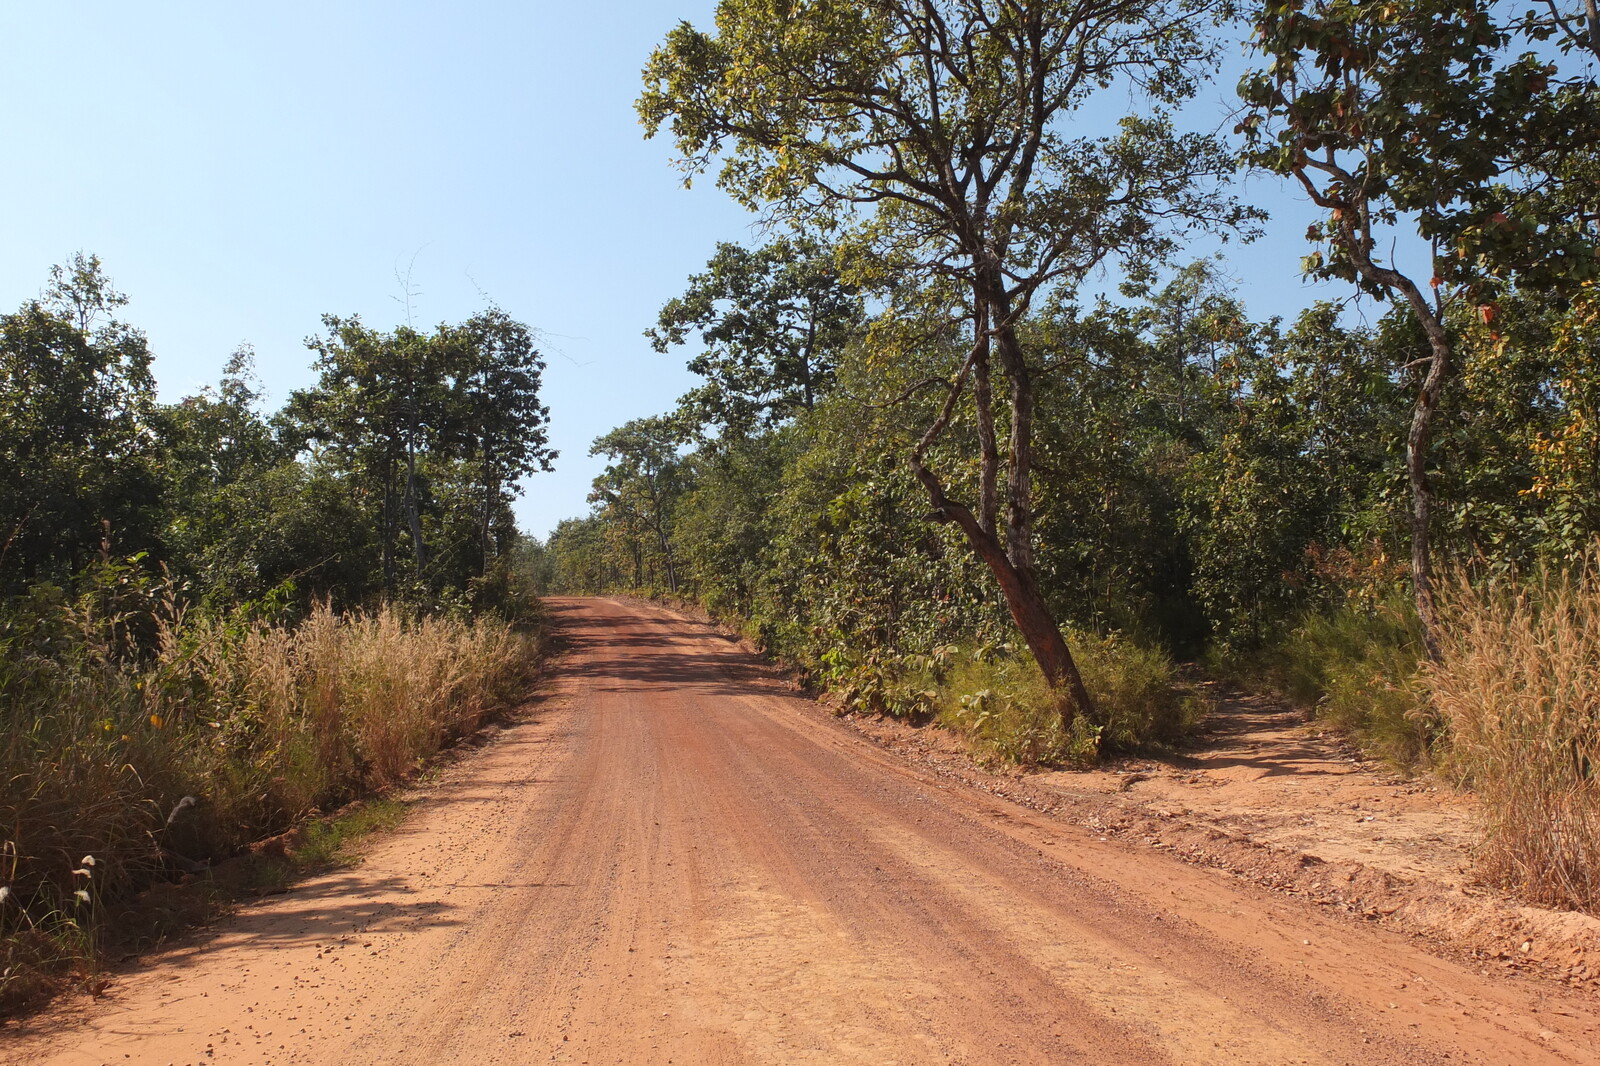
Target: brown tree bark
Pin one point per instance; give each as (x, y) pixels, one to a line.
(1355, 235)
(988, 449)
(1021, 590)
(1017, 580)
(413, 513)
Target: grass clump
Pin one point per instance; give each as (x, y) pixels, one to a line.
(1140, 703)
(1518, 688)
(1010, 714)
(337, 840)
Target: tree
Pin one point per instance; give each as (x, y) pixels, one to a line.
(641, 486)
(214, 449)
(578, 556)
(772, 321)
(398, 404)
(950, 139)
(75, 399)
(382, 399)
(498, 419)
(1422, 114)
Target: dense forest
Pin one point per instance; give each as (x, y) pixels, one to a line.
(391, 477)
(980, 438)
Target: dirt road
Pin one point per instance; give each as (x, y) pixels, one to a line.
(676, 861)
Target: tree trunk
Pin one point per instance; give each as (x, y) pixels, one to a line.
(413, 513)
(1019, 457)
(809, 397)
(1421, 493)
(1354, 233)
(388, 528)
(1021, 590)
(983, 399)
(1417, 440)
(488, 507)
(666, 559)
(658, 522)
(1010, 562)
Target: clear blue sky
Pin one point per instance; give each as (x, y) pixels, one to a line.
(243, 169)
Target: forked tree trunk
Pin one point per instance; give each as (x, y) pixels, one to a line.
(1011, 562)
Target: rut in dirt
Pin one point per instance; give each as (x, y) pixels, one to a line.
(676, 860)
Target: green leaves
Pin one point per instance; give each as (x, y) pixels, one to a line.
(773, 322)
(436, 428)
(76, 398)
(954, 119)
(1440, 113)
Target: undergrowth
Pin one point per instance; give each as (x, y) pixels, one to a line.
(995, 695)
(334, 841)
(154, 741)
(1010, 714)
(1355, 667)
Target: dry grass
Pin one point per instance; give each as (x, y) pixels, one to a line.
(1519, 690)
(219, 733)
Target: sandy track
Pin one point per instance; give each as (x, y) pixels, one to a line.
(676, 861)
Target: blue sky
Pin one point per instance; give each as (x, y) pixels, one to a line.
(243, 169)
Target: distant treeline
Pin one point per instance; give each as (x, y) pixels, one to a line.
(1201, 480)
(391, 478)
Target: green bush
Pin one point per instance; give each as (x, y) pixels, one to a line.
(1001, 701)
(1010, 715)
(1139, 702)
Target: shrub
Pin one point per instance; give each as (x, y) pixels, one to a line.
(1139, 702)
(1009, 714)
(1001, 701)
(1519, 689)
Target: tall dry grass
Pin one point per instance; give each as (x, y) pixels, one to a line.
(219, 733)
(1519, 691)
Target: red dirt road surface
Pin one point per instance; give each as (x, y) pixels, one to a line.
(675, 860)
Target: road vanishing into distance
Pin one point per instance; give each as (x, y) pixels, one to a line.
(674, 859)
